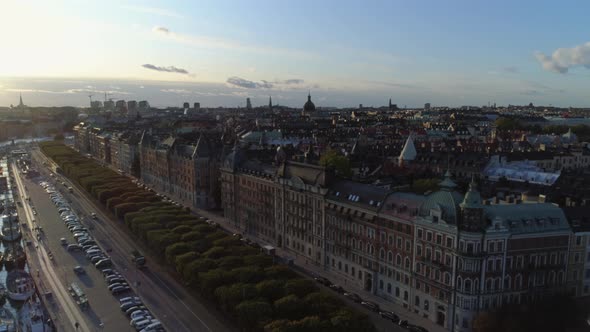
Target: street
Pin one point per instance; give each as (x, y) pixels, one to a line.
(164, 296)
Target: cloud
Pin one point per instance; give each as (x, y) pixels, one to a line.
(510, 70)
(244, 83)
(86, 90)
(162, 30)
(170, 69)
(178, 91)
(154, 10)
(292, 81)
(563, 59)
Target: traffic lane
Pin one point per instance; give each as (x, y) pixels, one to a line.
(106, 309)
(163, 306)
(171, 308)
(181, 308)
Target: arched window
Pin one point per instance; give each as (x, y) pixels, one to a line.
(489, 285)
(417, 301)
(507, 282)
(476, 284)
(390, 240)
(518, 281)
(398, 259)
(497, 283)
(551, 278)
(467, 286)
(381, 254)
(459, 283)
(560, 277)
(460, 264)
(390, 256)
(447, 278)
(407, 263)
(361, 246)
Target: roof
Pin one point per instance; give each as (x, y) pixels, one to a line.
(409, 150)
(527, 217)
(363, 195)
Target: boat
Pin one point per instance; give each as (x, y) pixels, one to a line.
(19, 285)
(7, 321)
(14, 256)
(10, 228)
(31, 316)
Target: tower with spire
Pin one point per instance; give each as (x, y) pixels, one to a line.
(472, 209)
(21, 105)
(270, 103)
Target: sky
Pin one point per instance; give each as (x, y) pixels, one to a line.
(455, 52)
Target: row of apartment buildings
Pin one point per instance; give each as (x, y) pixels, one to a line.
(185, 170)
(446, 256)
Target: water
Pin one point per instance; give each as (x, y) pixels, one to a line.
(25, 140)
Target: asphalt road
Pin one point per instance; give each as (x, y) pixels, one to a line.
(57, 274)
(164, 296)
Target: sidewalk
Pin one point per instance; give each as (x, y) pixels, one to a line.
(313, 269)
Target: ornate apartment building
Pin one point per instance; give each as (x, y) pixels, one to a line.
(446, 256)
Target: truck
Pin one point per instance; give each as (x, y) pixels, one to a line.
(137, 258)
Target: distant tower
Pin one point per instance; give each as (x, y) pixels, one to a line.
(197, 106)
(186, 105)
(20, 104)
(389, 103)
(248, 104)
(309, 106)
(270, 103)
(427, 107)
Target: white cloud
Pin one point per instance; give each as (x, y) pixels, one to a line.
(177, 91)
(563, 59)
(154, 10)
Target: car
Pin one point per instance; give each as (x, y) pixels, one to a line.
(113, 278)
(120, 290)
(389, 315)
(133, 309)
(154, 326)
(73, 247)
(80, 234)
(78, 229)
(93, 252)
(323, 281)
(93, 215)
(128, 298)
(116, 280)
(63, 241)
(355, 297)
(415, 328)
(83, 239)
(89, 246)
(337, 288)
(141, 313)
(103, 263)
(140, 324)
(88, 242)
(79, 270)
(95, 259)
(371, 306)
(117, 284)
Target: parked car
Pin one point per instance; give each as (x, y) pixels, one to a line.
(389, 315)
(415, 328)
(73, 247)
(323, 281)
(371, 306)
(355, 297)
(337, 288)
(103, 263)
(63, 241)
(120, 290)
(79, 270)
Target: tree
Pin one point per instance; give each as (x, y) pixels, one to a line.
(253, 312)
(230, 296)
(279, 272)
(271, 289)
(289, 307)
(183, 259)
(300, 287)
(340, 163)
(174, 250)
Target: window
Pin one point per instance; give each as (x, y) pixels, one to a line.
(419, 250)
(426, 305)
(578, 240)
(389, 288)
(419, 234)
(407, 263)
(417, 301)
(405, 295)
(577, 258)
(398, 259)
(382, 254)
(390, 256)
(450, 242)
(491, 246)
(396, 291)
(381, 284)
(408, 245)
(390, 240)
(500, 246)
(467, 286)
(429, 236)
(439, 239)
(399, 242)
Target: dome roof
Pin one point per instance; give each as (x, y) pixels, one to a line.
(445, 200)
(309, 106)
(472, 197)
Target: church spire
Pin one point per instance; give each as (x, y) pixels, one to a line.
(20, 104)
(270, 102)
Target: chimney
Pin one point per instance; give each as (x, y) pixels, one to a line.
(542, 198)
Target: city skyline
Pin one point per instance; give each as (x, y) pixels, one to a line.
(219, 54)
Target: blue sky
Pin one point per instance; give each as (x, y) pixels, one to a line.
(346, 52)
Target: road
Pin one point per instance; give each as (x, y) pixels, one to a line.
(57, 274)
(164, 296)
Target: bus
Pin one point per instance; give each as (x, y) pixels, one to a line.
(78, 295)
